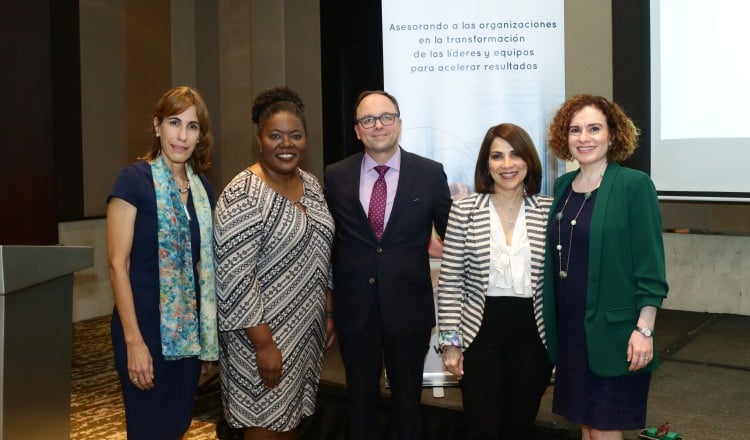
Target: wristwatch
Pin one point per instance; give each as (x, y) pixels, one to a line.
(645, 331)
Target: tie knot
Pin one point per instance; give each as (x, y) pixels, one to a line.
(381, 169)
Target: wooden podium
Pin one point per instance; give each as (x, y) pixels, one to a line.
(36, 303)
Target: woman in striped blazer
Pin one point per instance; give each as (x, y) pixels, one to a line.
(490, 290)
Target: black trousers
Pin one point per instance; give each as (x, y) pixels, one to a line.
(364, 354)
(506, 371)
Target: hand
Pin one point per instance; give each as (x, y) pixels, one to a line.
(453, 360)
(331, 331)
(140, 366)
(207, 367)
(269, 365)
(640, 351)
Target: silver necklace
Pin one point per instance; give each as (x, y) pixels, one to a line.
(511, 208)
(184, 190)
(559, 216)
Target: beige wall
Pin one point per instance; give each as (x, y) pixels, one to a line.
(303, 72)
(125, 67)
(588, 47)
(588, 59)
(264, 43)
(233, 49)
(92, 293)
(132, 51)
(102, 99)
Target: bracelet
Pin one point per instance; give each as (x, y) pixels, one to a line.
(329, 314)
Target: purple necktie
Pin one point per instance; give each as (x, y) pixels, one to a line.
(376, 211)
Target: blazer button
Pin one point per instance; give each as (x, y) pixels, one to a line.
(379, 249)
(372, 280)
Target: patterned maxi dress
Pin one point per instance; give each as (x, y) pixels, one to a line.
(273, 266)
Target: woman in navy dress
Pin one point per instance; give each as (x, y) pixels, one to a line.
(604, 272)
(159, 240)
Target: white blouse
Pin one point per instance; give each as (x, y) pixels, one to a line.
(510, 266)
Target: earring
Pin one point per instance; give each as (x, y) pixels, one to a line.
(157, 134)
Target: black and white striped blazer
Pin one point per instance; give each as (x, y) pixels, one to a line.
(464, 271)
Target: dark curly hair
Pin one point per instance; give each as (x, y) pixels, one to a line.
(275, 100)
(623, 133)
(524, 148)
(175, 101)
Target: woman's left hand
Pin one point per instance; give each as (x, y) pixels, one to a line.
(209, 367)
(640, 351)
(453, 361)
(331, 331)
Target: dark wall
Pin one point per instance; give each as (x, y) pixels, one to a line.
(37, 115)
(631, 71)
(352, 61)
(66, 108)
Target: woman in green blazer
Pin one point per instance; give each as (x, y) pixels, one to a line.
(605, 272)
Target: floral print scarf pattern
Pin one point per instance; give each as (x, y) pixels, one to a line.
(185, 331)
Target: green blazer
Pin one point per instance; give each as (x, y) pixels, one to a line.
(626, 267)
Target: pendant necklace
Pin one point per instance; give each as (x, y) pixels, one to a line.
(183, 191)
(511, 219)
(511, 208)
(559, 216)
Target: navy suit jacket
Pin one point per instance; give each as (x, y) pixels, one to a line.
(394, 273)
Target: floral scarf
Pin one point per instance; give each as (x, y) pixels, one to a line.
(185, 331)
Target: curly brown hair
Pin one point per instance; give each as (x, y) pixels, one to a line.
(622, 130)
(175, 101)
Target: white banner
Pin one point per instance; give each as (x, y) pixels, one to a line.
(458, 68)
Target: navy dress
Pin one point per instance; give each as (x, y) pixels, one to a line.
(164, 412)
(604, 403)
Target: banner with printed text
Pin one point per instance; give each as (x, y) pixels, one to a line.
(458, 68)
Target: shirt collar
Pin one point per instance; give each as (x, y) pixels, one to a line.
(368, 163)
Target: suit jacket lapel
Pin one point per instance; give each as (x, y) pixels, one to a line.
(406, 176)
(351, 181)
(533, 214)
(596, 233)
(480, 223)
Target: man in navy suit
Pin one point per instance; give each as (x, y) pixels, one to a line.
(383, 298)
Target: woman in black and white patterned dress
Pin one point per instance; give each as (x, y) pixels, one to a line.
(273, 238)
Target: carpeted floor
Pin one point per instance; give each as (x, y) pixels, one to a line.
(96, 411)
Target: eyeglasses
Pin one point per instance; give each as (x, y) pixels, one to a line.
(385, 120)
